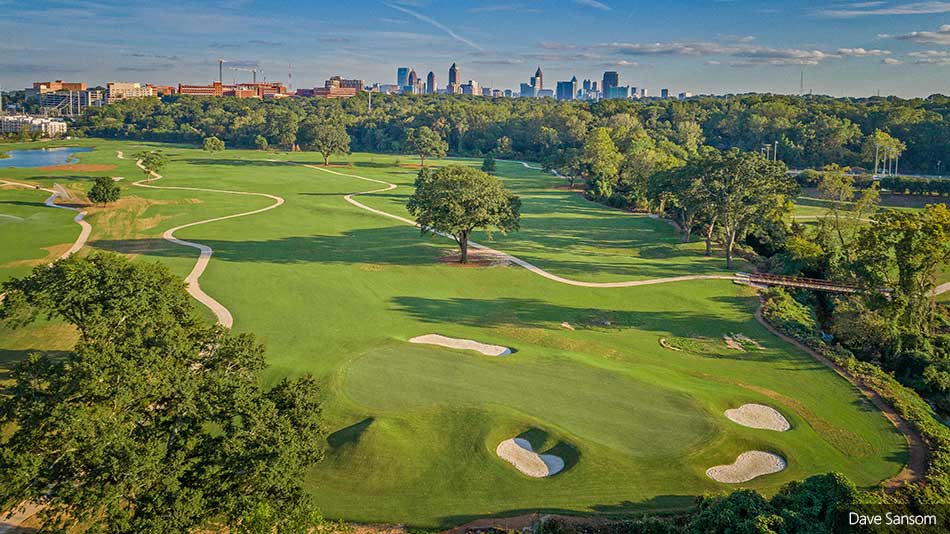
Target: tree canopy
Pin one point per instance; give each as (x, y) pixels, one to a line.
(425, 143)
(456, 200)
(104, 190)
(152, 161)
(212, 144)
(326, 136)
(153, 422)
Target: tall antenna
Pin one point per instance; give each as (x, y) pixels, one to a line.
(801, 84)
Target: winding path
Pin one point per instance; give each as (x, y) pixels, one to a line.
(84, 228)
(205, 252)
(508, 257)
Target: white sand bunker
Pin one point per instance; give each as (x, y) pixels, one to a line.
(518, 452)
(759, 416)
(666, 345)
(464, 344)
(748, 465)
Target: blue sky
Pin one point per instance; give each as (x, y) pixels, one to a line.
(703, 46)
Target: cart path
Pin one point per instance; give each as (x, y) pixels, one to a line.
(508, 257)
(204, 251)
(84, 228)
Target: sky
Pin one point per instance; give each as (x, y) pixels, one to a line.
(702, 46)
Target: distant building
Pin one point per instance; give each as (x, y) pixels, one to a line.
(240, 90)
(611, 80)
(539, 80)
(620, 92)
(40, 88)
(327, 92)
(71, 102)
(18, 123)
(455, 77)
(684, 95)
(664, 93)
(471, 88)
(567, 90)
(643, 92)
(116, 91)
(527, 91)
(402, 76)
(163, 90)
(386, 88)
(342, 83)
(543, 93)
(508, 93)
(587, 86)
(431, 86)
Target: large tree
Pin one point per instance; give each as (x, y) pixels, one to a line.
(425, 143)
(602, 159)
(154, 421)
(104, 190)
(326, 136)
(457, 200)
(745, 189)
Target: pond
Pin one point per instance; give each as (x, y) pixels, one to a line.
(41, 157)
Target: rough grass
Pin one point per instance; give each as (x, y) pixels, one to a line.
(336, 292)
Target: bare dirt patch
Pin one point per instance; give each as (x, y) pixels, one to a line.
(79, 167)
(518, 452)
(749, 465)
(463, 344)
(477, 258)
(52, 254)
(758, 416)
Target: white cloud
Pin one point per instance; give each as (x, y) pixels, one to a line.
(862, 52)
(891, 61)
(931, 57)
(594, 4)
(867, 9)
(939, 37)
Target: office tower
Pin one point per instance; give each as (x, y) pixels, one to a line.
(430, 83)
(455, 79)
(538, 80)
(567, 90)
(611, 80)
(664, 93)
(413, 78)
(587, 86)
(402, 76)
(528, 91)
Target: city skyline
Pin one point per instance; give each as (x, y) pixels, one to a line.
(852, 49)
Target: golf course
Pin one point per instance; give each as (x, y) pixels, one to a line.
(626, 384)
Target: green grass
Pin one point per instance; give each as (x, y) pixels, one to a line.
(336, 291)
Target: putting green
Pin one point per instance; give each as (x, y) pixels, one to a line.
(337, 291)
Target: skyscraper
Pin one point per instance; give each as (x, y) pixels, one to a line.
(430, 83)
(413, 77)
(528, 91)
(402, 76)
(611, 80)
(664, 93)
(539, 80)
(567, 90)
(455, 79)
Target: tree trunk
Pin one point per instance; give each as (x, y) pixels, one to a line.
(730, 240)
(423, 160)
(326, 160)
(463, 247)
(687, 230)
(709, 234)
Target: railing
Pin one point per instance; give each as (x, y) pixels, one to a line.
(800, 282)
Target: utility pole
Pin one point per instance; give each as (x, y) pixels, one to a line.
(775, 151)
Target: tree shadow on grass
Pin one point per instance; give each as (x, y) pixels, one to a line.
(395, 245)
(350, 434)
(9, 358)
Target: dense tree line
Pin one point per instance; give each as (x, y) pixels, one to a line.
(809, 131)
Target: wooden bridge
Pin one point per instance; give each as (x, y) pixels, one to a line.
(815, 284)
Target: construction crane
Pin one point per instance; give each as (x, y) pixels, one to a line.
(254, 71)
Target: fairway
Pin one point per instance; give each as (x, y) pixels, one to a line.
(338, 291)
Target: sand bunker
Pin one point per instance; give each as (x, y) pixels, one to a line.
(758, 416)
(748, 465)
(464, 344)
(518, 452)
(567, 325)
(666, 345)
(732, 343)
